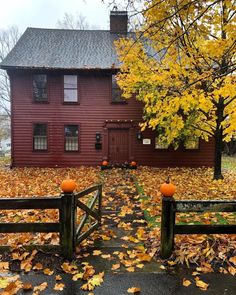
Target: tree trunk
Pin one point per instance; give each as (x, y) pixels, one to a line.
(218, 154)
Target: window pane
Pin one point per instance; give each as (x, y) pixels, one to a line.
(40, 87)
(70, 81)
(40, 137)
(40, 129)
(40, 142)
(71, 138)
(70, 95)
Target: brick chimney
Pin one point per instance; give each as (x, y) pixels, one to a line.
(118, 21)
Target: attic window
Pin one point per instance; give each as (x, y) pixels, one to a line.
(70, 88)
(116, 92)
(40, 88)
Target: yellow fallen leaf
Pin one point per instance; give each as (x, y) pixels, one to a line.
(106, 256)
(78, 276)
(195, 273)
(232, 270)
(88, 272)
(27, 286)
(4, 265)
(12, 288)
(97, 252)
(144, 257)
(115, 266)
(133, 290)
(96, 280)
(186, 283)
(59, 286)
(48, 271)
(69, 268)
(3, 283)
(58, 278)
(41, 287)
(200, 284)
(171, 263)
(38, 266)
(140, 265)
(130, 269)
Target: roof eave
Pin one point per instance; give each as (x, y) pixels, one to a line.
(5, 67)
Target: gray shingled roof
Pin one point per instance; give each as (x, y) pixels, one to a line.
(63, 49)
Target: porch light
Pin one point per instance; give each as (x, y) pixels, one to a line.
(139, 135)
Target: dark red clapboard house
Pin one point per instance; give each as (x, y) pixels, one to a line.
(67, 109)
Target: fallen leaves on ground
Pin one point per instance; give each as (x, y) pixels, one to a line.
(197, 184)
(186, 283)
(59, 287)
(133, 290)
(37, 183)
(140, 243)
(200, 284)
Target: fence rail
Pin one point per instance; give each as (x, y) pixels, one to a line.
(168, 227)
(67, 204)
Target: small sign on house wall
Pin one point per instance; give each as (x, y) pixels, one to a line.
(146, 141)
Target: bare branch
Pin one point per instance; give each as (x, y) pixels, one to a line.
(8, 38)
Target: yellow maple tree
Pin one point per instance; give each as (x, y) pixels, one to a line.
(181, 65)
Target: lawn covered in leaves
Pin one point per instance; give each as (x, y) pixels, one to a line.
(207, 251)
(36, 183)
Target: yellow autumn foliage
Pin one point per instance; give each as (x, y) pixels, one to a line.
(181, 65)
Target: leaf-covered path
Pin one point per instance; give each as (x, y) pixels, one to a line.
(118, 246)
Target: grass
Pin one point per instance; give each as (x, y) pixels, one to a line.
(5, 161)
(229, 162)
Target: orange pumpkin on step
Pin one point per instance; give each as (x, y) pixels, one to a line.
(133, 164)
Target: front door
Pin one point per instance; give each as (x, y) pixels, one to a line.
(118, 151)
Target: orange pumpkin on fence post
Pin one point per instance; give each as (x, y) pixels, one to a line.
(68, 186)
(167, 188)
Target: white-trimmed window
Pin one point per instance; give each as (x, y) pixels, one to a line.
(71, 138)
(70, 88)
(40, 137)
(40, 88)
(160, 145)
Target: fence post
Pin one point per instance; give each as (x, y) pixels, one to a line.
(167, 226)
(67, 221)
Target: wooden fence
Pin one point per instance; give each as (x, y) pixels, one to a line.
(67, 204)
(168, 227)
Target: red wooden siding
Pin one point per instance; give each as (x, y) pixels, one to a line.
(94, 108)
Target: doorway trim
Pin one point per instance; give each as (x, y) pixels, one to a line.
(118, 124)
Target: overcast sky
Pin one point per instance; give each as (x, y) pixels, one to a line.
(46, 13)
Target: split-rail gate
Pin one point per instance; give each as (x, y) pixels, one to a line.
(71, 234)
